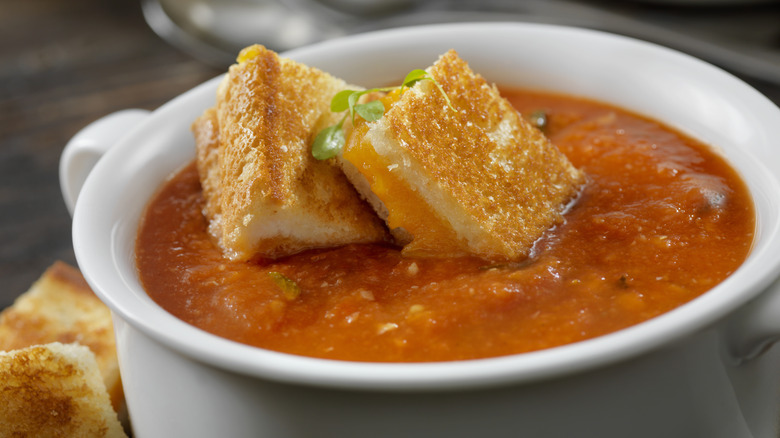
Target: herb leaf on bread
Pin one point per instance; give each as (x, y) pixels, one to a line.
(330, 141)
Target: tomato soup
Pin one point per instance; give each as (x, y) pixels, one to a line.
(661, 219)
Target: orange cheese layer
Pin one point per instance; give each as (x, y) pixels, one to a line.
(407, 209)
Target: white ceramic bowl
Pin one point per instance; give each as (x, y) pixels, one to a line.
(699, 370)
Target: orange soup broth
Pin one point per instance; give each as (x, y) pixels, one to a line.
(661, 220)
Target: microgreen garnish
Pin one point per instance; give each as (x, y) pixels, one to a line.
(415, 76)
(330, 141)
(371, 111)
(289, 288)
(538, 118)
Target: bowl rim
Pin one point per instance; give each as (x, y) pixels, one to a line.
(577, 357)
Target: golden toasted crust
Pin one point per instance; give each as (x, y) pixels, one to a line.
(54, 390)
(205, 129)
(273, 198)
(489, 176)
(60, 307)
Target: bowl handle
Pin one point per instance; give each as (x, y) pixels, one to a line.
(756, 326)
(88, 145)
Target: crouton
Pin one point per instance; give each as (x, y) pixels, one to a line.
(61, 307)
(54, 390)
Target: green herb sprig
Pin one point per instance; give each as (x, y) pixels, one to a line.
(289, 287)
(330, 141)
(539, 119)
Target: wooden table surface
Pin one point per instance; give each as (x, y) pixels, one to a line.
(64, 64)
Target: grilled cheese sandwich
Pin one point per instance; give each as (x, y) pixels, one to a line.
(59, 373)
(54, 390)
(265, 194)
(468, 176)
(61, 307)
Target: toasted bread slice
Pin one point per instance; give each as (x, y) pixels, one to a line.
(206, 132)
(60, 307)
(471, 179)
(266, 194)
(54, 390)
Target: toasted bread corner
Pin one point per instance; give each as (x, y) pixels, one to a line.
(55, 390)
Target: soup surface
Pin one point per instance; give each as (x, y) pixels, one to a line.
(661, 220)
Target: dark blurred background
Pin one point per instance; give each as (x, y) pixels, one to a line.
(64, 64)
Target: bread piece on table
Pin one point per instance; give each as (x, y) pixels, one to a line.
(54, 390)
(61, 307)
(478, 180)
(268, 196)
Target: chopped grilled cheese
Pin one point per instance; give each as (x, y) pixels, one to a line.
(54, 390)
(265, 194)
(470, 178)
(61, 307)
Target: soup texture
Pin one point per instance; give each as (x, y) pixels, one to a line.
(661, 219)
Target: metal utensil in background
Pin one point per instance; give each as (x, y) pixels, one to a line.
(742, 36)
(215, 30)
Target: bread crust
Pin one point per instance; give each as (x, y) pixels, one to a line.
(54, 390)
